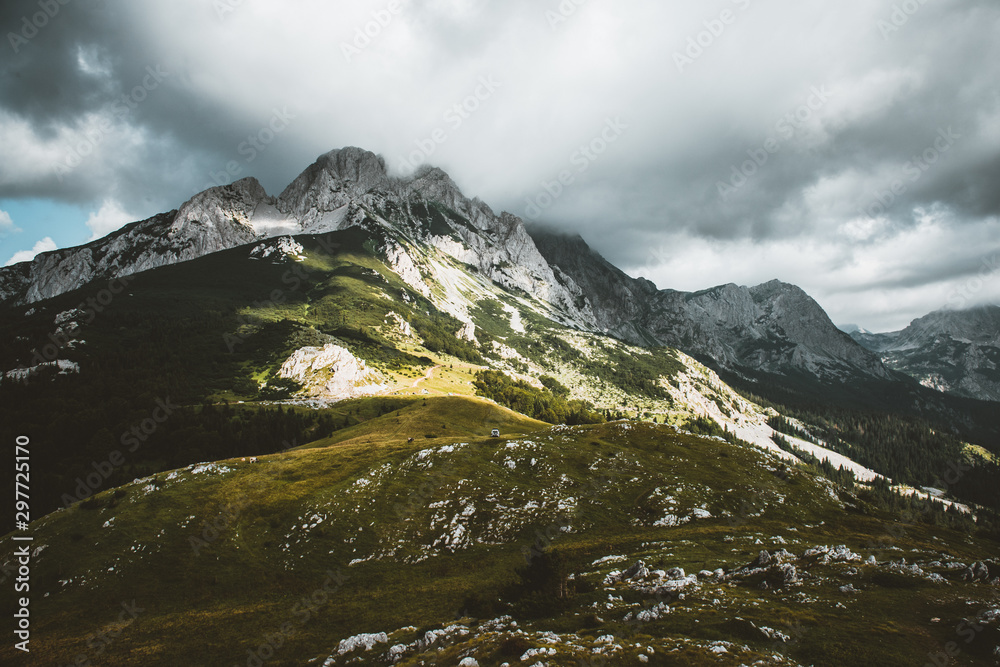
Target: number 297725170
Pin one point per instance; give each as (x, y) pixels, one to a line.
(22, 468)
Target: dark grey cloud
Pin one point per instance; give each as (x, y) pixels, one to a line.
(838, 99)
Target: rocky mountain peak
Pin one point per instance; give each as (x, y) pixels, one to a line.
(783, 299)
(355, 165)
(772, 327)
(333, 179)
(248, 188)
(218, 207)
(773, 289)
(427, 174)
(433, 184)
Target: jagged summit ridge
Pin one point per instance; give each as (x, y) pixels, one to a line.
(213, 220)
(342, 188)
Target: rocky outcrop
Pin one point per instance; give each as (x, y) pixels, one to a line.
(278, 249)
(768, 571)
(331, 372)
(982, 571)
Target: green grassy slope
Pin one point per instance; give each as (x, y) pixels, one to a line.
(419, 418)
(312, 546)
(194, 334)
(212, 330)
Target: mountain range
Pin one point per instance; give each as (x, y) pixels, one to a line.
(771, 340)
(774, 327)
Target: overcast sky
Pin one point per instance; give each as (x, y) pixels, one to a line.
(702, 142)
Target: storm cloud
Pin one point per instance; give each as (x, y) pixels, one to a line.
(852, 149)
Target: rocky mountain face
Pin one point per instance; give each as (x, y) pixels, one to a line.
(773, 327)
(616, 300)
(214, 220)
(953, 351)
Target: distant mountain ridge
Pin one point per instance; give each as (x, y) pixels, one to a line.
(770, 327)
(774, 328)
(956, 352)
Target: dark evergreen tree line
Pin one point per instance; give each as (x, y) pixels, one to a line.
(541, 404)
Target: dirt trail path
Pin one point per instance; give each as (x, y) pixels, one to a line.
(427, 376)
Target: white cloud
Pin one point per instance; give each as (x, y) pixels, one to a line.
(110, 217)
(7, 225)
(45, 245)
